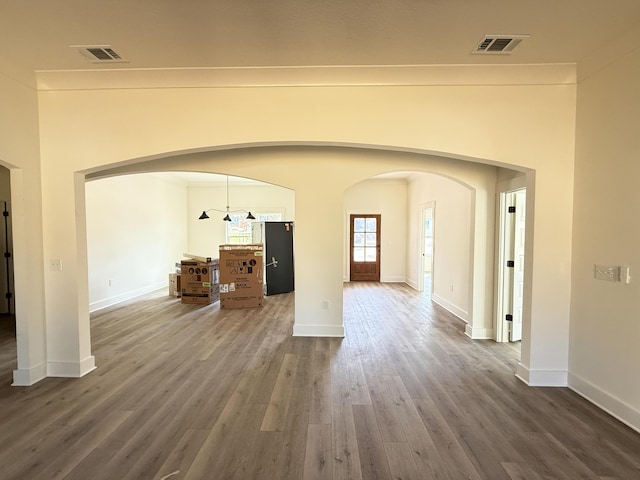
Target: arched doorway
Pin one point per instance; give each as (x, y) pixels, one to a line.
(323, 172)
(159, 213)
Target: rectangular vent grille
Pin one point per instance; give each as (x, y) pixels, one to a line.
(498, 44)
(104, 53)
(99, 53)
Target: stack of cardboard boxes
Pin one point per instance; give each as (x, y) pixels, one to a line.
(199, 281)
(236, 279)
(241, 276)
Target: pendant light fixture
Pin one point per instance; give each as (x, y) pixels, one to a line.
(227, 217)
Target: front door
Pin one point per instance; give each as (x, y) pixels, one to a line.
(365, 248)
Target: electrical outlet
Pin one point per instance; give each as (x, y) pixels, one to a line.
(55, 264)
(326, 304)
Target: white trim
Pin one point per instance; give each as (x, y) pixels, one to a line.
(392, 279)
(29, 305)
(397, 279)
(309, 76)
(542, 378)
(503, 243)
(421, 244)
(458, 312)
(412, 284)
(318, 331)
(478, 333)
(25, 377)
(614, 406)
(522, 373)
(512, 184)
(500, 324)
(71, 369)
(347, 244)
(123, 297)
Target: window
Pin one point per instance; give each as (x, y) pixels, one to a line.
(239, 228)
(364, 239)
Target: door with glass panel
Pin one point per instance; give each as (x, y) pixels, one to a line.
(365, 248)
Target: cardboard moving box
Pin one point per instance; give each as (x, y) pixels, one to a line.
(200, 281)
(174, 285)
(241, 276)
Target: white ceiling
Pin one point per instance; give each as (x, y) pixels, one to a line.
(37, 34)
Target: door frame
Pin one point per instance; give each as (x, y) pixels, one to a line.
(421, 243)
(505, 275)
(349, 216)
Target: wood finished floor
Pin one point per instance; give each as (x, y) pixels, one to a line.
(183, 392)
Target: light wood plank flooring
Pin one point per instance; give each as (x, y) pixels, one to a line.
(183, 392)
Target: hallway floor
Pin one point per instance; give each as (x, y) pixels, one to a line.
(187, 392)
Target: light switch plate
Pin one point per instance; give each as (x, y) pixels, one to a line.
(624, 274)
(606, 272)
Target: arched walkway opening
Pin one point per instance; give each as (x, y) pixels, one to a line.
(325, 173)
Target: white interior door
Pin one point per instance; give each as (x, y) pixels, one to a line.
(520, 198)
(511, 266)
(426, 247)
(428, 240)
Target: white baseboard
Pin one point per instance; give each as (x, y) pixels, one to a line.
(71, 369)
(318, 331)
(25, 377)
(392, 280)
(412, 284)
(123, 297)
(382, 280)
(458, 312)
(478, 333)
(542, 378)
(614, 406)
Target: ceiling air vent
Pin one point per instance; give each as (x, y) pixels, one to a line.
(498, 44)
(99, 53)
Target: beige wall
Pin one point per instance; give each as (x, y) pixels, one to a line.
(453, 240)
(389, 199)
(465, 220)
(136, 231)
(605, 326)
(536, 130)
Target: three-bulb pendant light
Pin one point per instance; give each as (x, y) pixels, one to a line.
(227, 217)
